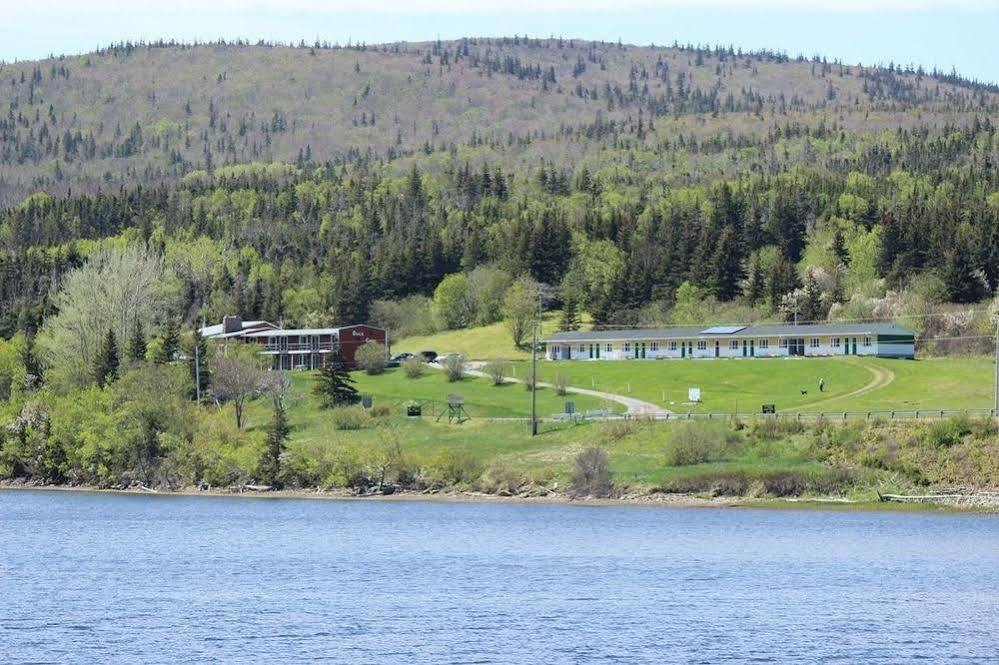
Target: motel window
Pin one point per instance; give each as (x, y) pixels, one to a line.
(627, 346)
(783, 343)
(764, 343)
(815, 343)
(609, 348)
(867, 341)
(654, 346)
(555, 349)
(672, 346)
(702, 345)
(582, 348)
(835, 342)
(734, 345)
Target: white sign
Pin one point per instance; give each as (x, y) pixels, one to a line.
(693, 394)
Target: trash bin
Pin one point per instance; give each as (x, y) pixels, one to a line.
(414, 410)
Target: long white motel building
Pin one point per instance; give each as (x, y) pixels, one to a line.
(884, 340)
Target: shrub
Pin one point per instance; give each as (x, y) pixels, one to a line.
(618, 429)
(771, 429)
(945, 433)
(379, 411)
(497, 371)
(561, 383)
(592, 475)
(447, 469)
(501, 479)
(414, 367)
(349, 417)
(371, 357)
(454, 368)
(699, 443)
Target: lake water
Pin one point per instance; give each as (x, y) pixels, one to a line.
(99, 578)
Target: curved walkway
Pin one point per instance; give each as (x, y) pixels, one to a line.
(634, 407)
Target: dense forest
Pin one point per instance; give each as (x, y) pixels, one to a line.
(319, 183)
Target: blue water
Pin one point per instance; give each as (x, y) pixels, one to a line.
(104, 578)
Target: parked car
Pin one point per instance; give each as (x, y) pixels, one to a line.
(429, 356)
(397, 359)
(450, 356)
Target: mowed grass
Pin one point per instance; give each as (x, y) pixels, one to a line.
(851, 384)
(393, 388)
(726, 385)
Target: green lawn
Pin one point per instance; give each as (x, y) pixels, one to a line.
(745, 385)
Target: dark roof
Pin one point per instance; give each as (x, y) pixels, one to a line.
(700, 332)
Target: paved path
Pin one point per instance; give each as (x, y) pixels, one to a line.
(634, 407)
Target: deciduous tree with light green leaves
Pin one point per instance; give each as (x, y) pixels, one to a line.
(520, 309)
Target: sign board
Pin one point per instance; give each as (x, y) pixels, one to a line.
(693, 394)
(769, 408)
(570, 408)
(366, 401)
(455, 399)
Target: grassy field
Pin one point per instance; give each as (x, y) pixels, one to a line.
(762, 458)
(851, 384)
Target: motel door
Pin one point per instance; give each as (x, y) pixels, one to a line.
(717, 348)
(752, 348)
(743, 348)
(591, 352)
(854, 346)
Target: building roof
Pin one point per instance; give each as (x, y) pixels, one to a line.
(803, 330)
(281, 332)
(217, 331)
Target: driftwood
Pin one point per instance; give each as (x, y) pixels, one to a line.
(150, 490)
(916, 498)
(258, 488)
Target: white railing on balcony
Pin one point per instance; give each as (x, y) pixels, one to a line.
(299, 346)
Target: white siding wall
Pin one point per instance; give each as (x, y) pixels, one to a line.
(773, 349)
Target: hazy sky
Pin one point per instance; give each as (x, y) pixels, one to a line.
(958, 33)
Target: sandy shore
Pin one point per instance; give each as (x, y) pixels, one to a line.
(971, 503)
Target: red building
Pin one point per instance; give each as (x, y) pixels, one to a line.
(299, 348)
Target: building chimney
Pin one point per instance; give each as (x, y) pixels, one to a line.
(231, 324)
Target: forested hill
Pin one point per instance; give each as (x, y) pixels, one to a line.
(135, 114)
(313, 185)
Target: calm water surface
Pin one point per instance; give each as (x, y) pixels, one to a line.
(98, 578)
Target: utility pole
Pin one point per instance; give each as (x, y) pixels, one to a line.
(996, 403)
(534, 371)
(197, 371)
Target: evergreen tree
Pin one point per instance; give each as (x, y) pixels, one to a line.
(569, 320)
(334, 384)
(726, 266)
(277, 435)
(197, 364)
(107, 361)
(136, 350)
(755, 285)
(839, 247)
(170, 342)
(32, 367)
(960, 274)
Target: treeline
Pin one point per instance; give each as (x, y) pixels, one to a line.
(324, 243)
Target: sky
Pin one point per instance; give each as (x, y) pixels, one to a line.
(946, 34)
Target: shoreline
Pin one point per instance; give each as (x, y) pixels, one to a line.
(647, 500)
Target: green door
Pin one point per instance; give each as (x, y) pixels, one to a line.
(854, 346)
(597, 350)
(743, 348)
(683, 349)
(752, 348)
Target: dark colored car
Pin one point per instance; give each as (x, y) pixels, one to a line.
(429, 356)
(397, 359)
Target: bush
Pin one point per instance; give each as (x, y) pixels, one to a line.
(699, 443)
(380, 411)
(414, 367)
(561, 383)
(771, 429)
(592, 474)
(447, 469)
(371, 357)
(615, 430)
(497, 371)
(349, 417)
(454, 368)
(945, 433)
